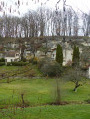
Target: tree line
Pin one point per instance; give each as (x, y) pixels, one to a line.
(45, 22)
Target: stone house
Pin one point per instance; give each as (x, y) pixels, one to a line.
(67, 55)
(27, 53)
(12, 45)
(12, 56)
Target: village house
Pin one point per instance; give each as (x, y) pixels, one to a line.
(12, 45)
(12, 56)
(67, 53)
(27, 53)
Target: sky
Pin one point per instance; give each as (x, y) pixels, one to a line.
(25, 5)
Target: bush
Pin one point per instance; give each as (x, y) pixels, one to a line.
(51, 69)
(33, 60)
(43, 61)
(69, 63)
(30, 73)
(2, 60)
(9, 63)
(88, 101)
(19, 63)
(2, 63)
(24, 60)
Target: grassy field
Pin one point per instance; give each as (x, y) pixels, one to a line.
(38, 94)
(48, 112)
(42, 91)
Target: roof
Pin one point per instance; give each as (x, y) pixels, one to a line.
(11, 53)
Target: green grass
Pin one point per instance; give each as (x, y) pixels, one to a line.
(39, 93)
(48, 112)
(8, 68)
(15, 68)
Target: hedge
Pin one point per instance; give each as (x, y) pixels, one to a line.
(17, 63)
(2, 60)
(2, 63)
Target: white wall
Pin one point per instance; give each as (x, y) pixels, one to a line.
(53, 55)
(14, 45)
(12, 59)
(8, 59)
(67, 55)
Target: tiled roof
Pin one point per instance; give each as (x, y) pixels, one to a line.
(11, 53)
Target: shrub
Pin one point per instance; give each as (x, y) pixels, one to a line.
(30, 73)
(33, 60)
(69, 63)
(43, 61)
(51, 69)
(24, 60)
(88, 101)
(9, 64)
(19, 63)
(2, 60)
(2, 63)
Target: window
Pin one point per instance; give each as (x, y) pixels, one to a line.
(17, 54)
(53, 55)
(11, 60)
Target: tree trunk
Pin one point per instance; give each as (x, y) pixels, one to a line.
(76, 86)
(58, 98)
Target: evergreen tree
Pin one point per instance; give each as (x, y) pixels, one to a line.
(59, 54)
(74, 54)
(75, 58)
(78, 55)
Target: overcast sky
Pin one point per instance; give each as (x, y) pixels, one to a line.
(25, 5)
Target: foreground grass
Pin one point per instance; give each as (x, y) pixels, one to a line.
(38, 94)
(48, 112)
(40, 91)
(9, 68)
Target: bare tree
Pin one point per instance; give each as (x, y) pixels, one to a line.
(86, 24)
(75, 25)
(76, 76)
(70, 21)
